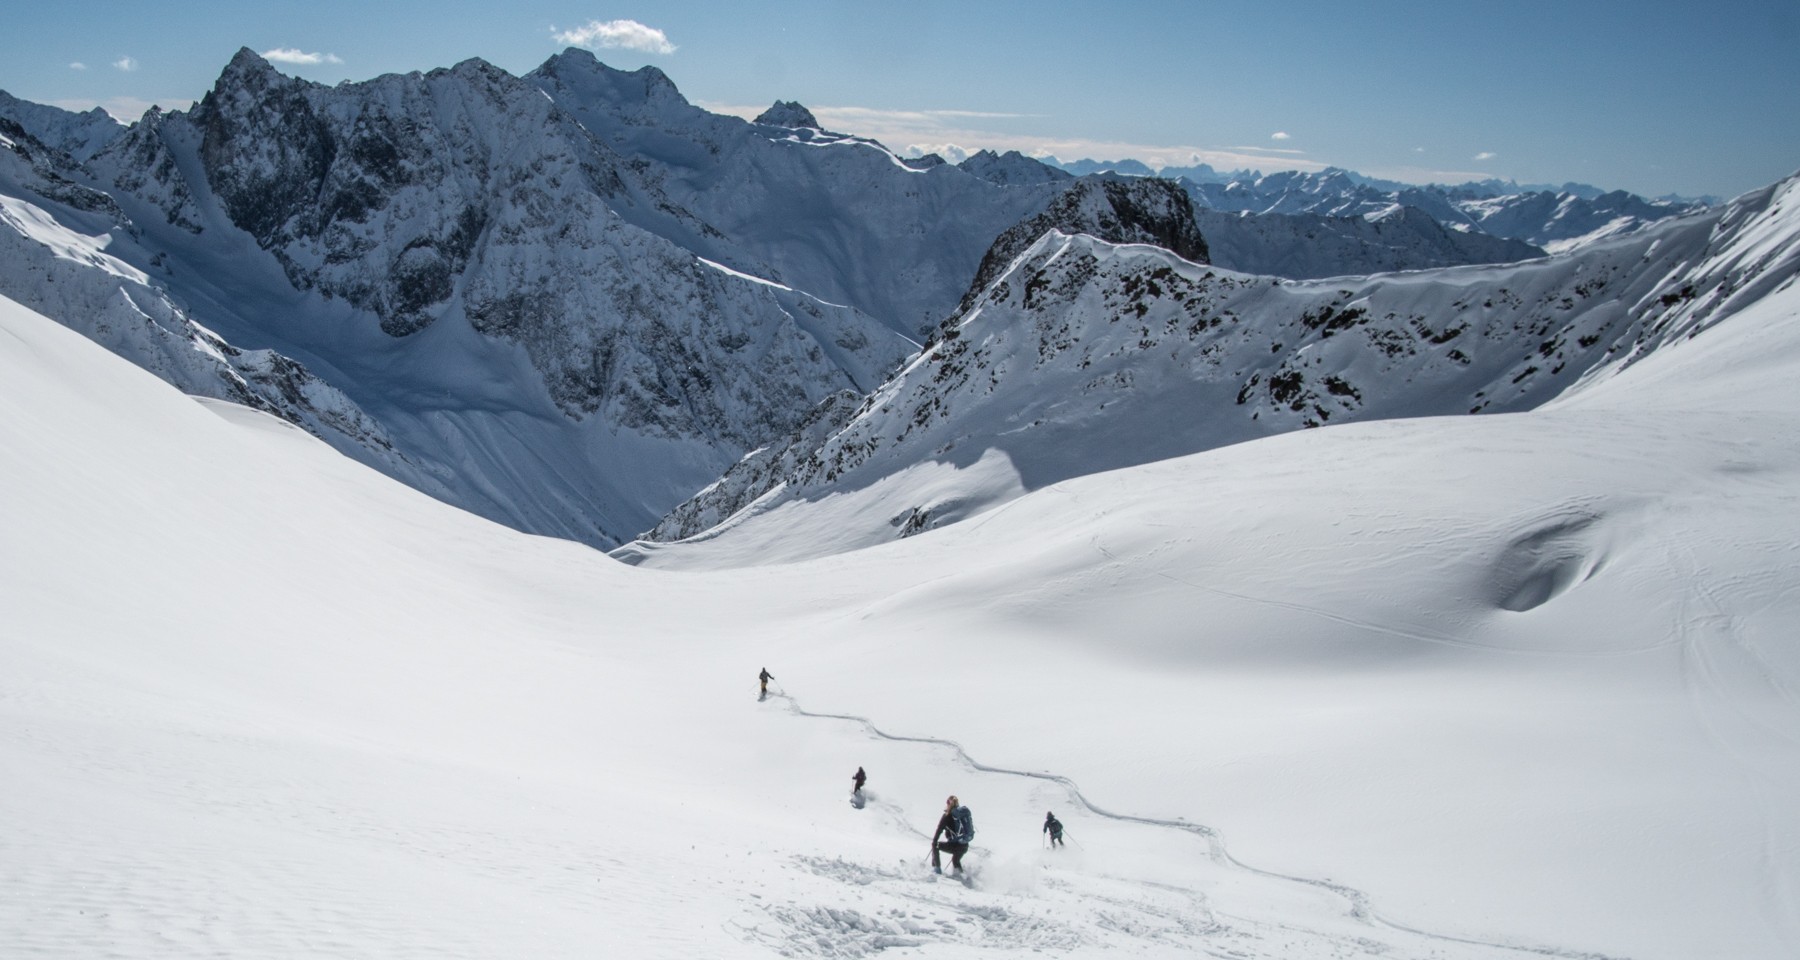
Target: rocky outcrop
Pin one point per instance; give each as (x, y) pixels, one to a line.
(1114, 209)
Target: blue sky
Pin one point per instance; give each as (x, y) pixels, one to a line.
(1649, 96)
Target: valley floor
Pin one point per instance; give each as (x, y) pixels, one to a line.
(1514, 686)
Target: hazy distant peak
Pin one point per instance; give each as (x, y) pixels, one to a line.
(788, 113)
(1011, 167)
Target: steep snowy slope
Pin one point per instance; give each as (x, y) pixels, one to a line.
(1141, 210)
(838, 216)
(1086, 356)
(1476, 688)
(60, 270)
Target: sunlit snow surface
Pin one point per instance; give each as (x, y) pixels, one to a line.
(1505, 686)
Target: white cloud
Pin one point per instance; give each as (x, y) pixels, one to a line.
(300, 57)
(126, 64)
(1280, 135)
(78, 65)
(949, 151)
(621, 34)
(1486, 155)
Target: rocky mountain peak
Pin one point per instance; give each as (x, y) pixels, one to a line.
(477, 70)
(579, 70)
(247, 70)
(1115, 209)
(788, 113)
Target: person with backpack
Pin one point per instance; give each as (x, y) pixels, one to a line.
(858, 780)
(957, 827)
(1053, 827)
(765, 677)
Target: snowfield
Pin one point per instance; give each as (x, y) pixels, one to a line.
(1519, 685)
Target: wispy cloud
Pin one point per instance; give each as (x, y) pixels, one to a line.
(1280, 135)
(1486, 155)
(618, 34)
(949, 151)
(126, 64)
(300, 57)
(78, 65)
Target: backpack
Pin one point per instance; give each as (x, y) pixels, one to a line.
(964, 823)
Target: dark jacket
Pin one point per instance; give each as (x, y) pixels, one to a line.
(947, 827)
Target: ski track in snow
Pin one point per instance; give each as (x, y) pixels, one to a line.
(872, 934)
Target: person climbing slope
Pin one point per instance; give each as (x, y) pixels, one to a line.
(957, 827)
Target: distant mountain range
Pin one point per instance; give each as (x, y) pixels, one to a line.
(569, 299)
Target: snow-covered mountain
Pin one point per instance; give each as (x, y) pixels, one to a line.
(1409, 686)
(1011, 167)
(1455, 688)
(1085, 356)
(570, 299)
(1138, 211)
(1555, 221)
(565, 300)
(80, 135)
(838, 216)
(1306, 246)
